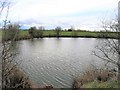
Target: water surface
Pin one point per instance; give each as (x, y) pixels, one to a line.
(57, 61)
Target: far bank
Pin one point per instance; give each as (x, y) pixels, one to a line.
(26, 34)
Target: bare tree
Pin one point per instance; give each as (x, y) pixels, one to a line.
(119, 43)
(32, 31)
(12, 77)
(74, 33)
(109, 49)
(12, 31)
(57, 30)
(41, 28)
(40, 32)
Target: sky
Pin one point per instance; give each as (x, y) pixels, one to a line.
(80, 14)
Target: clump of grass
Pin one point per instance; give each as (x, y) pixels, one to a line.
(96, 84)
(17, 80)
(95, 78)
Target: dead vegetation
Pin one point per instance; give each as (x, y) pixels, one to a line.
(17, 80)
(100, 76)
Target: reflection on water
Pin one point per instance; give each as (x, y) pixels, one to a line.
(56, 61)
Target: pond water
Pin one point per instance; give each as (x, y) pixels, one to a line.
(52, 61)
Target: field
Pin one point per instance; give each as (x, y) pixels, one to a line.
(52, 33)
(89, 34)
(24, 34)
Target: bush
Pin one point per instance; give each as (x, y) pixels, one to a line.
(11, 32)
(17, 80)
(96, 84)
(91, 76)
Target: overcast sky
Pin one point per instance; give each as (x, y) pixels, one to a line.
(82, 14)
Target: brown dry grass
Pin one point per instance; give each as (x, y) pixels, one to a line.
(17, 79)
(92, 75)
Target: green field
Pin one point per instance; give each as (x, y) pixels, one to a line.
(52, 33)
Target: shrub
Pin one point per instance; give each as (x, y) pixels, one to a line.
(94, 75)
(17, 80)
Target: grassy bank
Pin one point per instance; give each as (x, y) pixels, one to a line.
(52, 33)
(97, 79)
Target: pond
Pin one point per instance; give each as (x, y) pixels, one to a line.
(53, 61)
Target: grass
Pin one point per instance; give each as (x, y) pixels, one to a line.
(48, 33)
(97, 79)
(23, 35)
(96, 84)
(51, 33)
(16, 79)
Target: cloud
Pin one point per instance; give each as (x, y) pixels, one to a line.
(64, 13)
